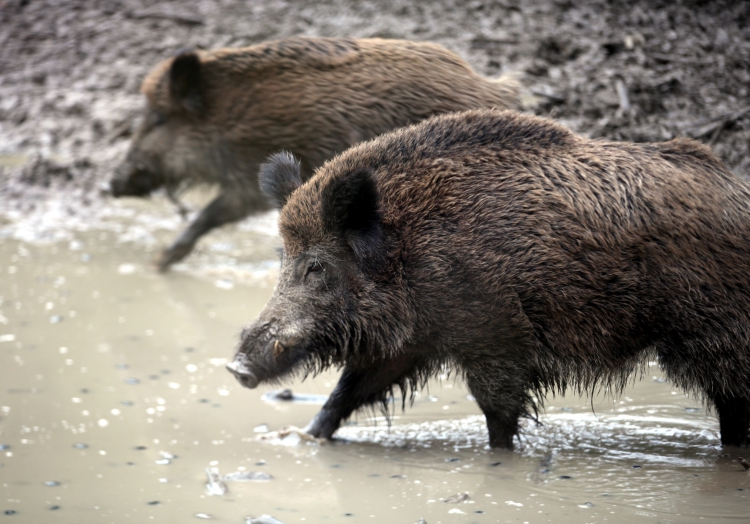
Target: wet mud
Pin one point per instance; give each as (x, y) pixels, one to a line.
(641, 71)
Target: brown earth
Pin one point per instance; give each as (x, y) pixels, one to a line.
(70, 71)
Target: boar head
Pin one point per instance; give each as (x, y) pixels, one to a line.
(336, 300)
(168, 148)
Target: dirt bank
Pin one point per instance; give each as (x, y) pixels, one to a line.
(70, 70)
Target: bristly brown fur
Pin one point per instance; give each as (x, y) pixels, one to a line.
(530, 260)
(214, 116)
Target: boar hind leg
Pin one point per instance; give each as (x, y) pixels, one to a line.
(229, 206)
(502, 405)
(360, 388)
(734, 420)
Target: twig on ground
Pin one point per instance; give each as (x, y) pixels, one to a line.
(176, 17)
(703, 130)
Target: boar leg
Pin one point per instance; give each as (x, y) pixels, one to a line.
(502, 402)
(734, 420)
(359, 388)
(229, 206)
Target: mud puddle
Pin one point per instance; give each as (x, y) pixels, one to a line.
(114, 401)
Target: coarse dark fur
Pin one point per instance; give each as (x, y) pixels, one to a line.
(214, 116)
(525, 257)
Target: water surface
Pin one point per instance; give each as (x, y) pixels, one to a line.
(114, 400)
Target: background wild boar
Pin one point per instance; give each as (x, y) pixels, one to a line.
(213, 117)
(525, 257)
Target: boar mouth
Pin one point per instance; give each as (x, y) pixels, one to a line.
(139, 182)
(238, 368)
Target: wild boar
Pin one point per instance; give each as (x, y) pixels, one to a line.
(213, 116)
(523, 256)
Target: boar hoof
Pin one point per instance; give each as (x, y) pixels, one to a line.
(323, 425)
(174, 254)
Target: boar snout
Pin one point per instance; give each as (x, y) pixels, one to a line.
(266, 352)
(130, 180)
(238, 367)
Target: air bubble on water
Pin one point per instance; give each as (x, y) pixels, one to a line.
(163, 462)
(126, 269)
(245, 476)
(203, 516)
(224, 283)
(80, 446)
(51, 483)
(56, 319)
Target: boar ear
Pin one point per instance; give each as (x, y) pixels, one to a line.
(350, 208)
(279, 176)
(185, 80)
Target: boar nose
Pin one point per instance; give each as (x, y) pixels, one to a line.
(245, 377)
(116, 187)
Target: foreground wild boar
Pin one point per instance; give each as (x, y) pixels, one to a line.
(214, 116)
(523, 256)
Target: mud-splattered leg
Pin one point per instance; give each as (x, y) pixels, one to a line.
(357, 389)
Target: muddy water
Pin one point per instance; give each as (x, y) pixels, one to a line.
(114, 401)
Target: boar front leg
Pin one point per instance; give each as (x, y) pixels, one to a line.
(230, 206)
(359, 388)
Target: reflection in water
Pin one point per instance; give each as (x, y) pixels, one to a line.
(114, 401)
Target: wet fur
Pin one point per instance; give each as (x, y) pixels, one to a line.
(531, 260)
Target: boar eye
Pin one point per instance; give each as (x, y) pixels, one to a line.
(314, 268)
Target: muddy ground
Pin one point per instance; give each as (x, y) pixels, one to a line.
(70, 70)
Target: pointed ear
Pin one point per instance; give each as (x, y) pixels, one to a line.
(350, 209)
(185, 81)
(279, 176)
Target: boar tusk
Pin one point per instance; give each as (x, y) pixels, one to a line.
(277, 349)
